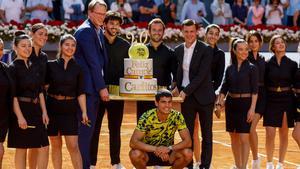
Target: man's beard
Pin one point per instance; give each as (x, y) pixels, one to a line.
(156, 39)
(112, 34)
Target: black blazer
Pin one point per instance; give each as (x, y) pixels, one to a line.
(201, 86)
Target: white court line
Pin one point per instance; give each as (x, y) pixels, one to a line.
(260, 154)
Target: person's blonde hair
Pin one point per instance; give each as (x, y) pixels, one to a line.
(93, 3)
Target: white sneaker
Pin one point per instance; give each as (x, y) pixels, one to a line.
(298, 167)
(279, 166)
(157, 167)
(196, 165)
(117, 166)
(120, 166)
(92, 167)
(270, 165)
(233, 167)
(256, 164)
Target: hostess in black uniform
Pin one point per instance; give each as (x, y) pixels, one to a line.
(6, 92)
(297, 92)
(40, 61)
(28, 87)
(260, 63)
(278, 81)
(65, 85)
(239, 85)
(164, 68)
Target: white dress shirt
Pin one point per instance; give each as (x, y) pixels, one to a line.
(13, 9)
(187, 57)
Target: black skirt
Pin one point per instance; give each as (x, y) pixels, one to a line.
(297, 112)
(277, 104)
(4, 120)
(236, 112)
(261, 101)
(62, 116)
(31, 137)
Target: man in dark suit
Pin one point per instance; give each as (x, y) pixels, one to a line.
(91, 56)
(194, 86)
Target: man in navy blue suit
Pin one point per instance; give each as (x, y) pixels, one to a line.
(91, 56)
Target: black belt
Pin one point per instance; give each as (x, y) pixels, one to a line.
(240, 95)
(279, 89)
(261, 84)
(29, 100)
(60, 97)
(297, 91)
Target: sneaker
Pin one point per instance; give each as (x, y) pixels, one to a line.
(92, 167)
(256, 164)
(117, 166)
(196, 165)
(157, 167)
(279, 166)
(298, 167)
(120, 166)
(270, 165)
(233, 167)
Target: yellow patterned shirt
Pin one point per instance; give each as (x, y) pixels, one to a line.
(159, 133)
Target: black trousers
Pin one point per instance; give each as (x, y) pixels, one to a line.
(115, 117)
(142, 107)
(189, 108)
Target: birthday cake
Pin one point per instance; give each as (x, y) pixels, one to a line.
(138, 73)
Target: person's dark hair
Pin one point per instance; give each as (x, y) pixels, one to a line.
(212, 26)
(162, 93)
(37, 27)
(110, 15)
(156, 20)
(234, 44)
(256, 34)
(18, 33)
(272, 2)
(62, 41)
(93, 3)
(235, 2)
(190, 22)
(272, 41)
(17, 39)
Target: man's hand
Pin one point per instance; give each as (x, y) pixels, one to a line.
(175, 92)
(104, 95)
(165, 157)
(161, 150)
(182, 95)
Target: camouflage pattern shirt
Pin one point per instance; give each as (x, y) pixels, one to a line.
(159, 133)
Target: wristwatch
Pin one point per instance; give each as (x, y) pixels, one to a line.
(170, 148)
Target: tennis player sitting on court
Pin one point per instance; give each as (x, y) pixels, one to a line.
(152, 142)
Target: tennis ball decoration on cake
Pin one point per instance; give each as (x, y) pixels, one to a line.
(138, 50)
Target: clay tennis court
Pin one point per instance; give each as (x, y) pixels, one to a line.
(222, 156)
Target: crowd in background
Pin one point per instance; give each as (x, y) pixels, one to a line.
(221, 12)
